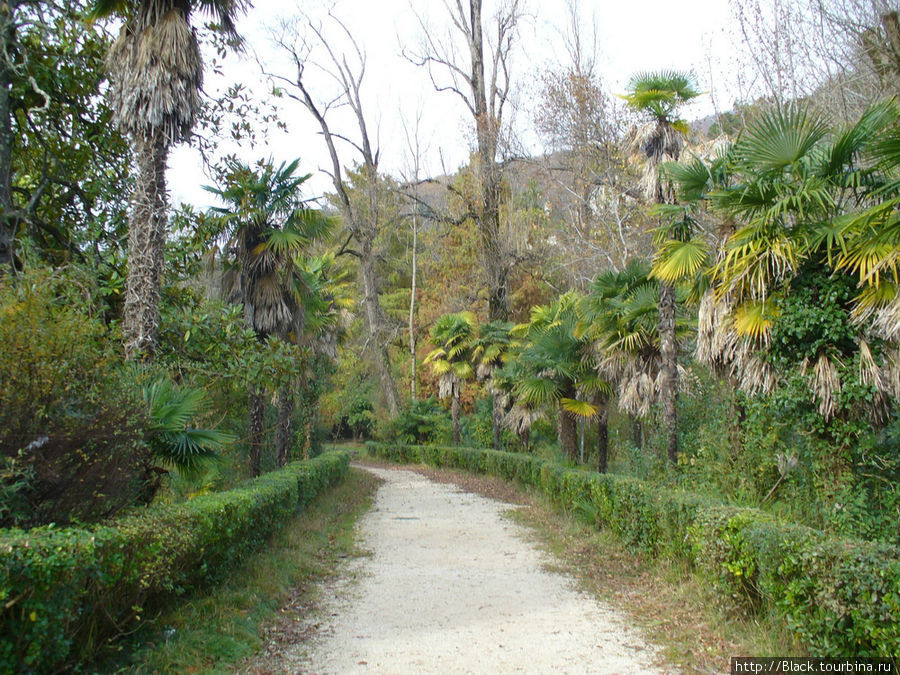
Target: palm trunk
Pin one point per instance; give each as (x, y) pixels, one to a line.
(454, 413)
(568, 434)
(525, 437)
(146, 245)
(637, 433)
(496, 416)
(668, 386)
(257, 409)
(283, 431)
(603, 438)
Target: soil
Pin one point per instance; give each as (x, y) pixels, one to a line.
(451, 585)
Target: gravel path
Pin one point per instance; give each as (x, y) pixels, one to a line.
(452, 586)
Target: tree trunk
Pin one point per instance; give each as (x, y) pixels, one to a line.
(496, 416)
(602, 438)
(7, 219)
(413, 378)
(637, 433)
(454, 413)
(146, 245)
(257, 409)
(525, 437)
(283, 432)
(668, 386)
(568, 434)
(375, 322)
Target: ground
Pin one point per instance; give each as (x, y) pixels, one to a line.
(452, 585)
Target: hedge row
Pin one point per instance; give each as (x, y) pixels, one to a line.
(63, 591)
(841, 597)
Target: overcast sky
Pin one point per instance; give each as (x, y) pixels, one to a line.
(631, 36)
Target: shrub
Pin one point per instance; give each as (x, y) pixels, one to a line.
(63, 591)
(840, 596)
(424, 421)
(71, 418)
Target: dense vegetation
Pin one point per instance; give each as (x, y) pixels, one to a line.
(711, 304)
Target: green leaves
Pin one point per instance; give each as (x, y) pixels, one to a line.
(174, 440)
(680, 260)
(660, 93)
(781, 138)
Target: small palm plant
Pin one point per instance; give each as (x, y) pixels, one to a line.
(174, 440)
(451, 360)
(557, 368)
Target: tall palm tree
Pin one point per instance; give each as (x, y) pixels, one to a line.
(659, 96)
(266, 225)
(451, 360)
(155, 71)
(490, 348)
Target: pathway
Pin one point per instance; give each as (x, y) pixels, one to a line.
(452, 586)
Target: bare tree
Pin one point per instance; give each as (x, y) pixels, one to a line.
(362, 218)
(481, 79)
(581, 126)
(413, 181)
(839, 55)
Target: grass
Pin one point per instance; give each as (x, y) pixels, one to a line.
(213, 631)
(675, 608)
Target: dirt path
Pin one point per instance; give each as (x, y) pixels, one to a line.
(454, 587)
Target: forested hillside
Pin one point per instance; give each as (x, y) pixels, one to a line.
(689, 278)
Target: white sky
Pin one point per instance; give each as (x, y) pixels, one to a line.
(631, 36)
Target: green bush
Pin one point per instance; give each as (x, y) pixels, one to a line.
(63, 591)
(71, 417)
(423, 421)
(840, 596)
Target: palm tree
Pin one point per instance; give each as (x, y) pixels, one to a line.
(451, 360)
(557, 368)
(490, 347)
(323, 296)
(658, 96)
(810, 205)
(155, 71)
(266, 225)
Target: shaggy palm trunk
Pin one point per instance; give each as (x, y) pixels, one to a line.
(454, 413)
(257, 408)
(668, 380)
(525, 438)
(567, 430)
(283, 430)
(146, 245)
(602, 438)
(496, 416)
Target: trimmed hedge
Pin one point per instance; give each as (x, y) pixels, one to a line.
(841, 597)
(63, 591)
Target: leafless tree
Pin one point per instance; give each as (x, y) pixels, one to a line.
(302, 40)
(839, 55)
(582, 129)
(477, 69)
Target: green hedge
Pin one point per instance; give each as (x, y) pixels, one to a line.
(841, 597)
(63, 591)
